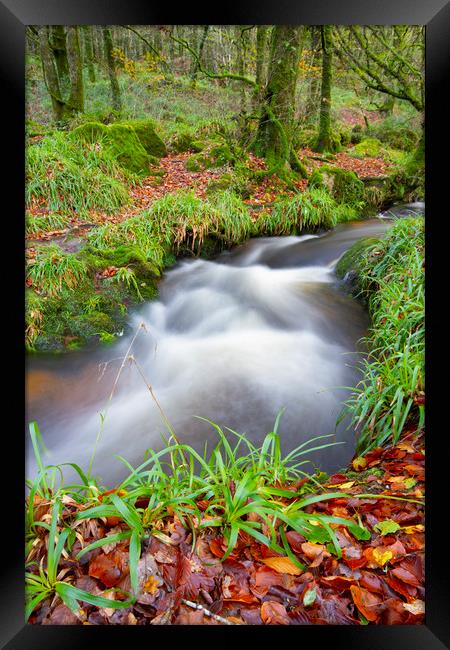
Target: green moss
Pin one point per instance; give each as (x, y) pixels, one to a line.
(370, 147)
(213, 156)
(351, 259)
(356, 134)
(120, 140)
(195, 163)
(344, 186)
(149, 139)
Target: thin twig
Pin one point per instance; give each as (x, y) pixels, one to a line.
(216, 617)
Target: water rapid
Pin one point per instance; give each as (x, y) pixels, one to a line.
(262, 327)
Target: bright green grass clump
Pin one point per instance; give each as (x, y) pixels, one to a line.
(53, 269)
(68, 175)
(391, 277)
(312, 209)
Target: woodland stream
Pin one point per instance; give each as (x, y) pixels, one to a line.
(262, 327)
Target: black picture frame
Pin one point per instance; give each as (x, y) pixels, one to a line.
(15, 15)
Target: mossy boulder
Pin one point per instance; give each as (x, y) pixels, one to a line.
(344, 186)
(348, 266)
(121, 142)
(149, 139)
(213, 156)
(356, 134)
(370, 147)
(183, 141)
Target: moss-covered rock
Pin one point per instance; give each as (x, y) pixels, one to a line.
(120, 140)
(184, 141)
(344, 186)
(356, 134)
(149, 139)
(217, 155)
(370, 147)
(348, 267)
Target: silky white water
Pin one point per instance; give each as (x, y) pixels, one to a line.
(264, 327)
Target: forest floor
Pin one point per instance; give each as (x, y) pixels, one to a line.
(176, 177)
(379, 578)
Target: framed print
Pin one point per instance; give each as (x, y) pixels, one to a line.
(225, 322)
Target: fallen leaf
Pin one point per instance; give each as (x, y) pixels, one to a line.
(366, 602)
(282, 565)
(273, 613)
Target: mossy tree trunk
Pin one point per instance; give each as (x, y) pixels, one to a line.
(262, 32)
(75, 103)
(276, 124)
(89, 51)
(115, 89)
(58, 46)
(324, 140)
(314, 82)
(242, 45)
(50, 73)
(196, 63)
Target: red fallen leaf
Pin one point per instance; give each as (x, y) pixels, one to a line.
(251, 615)
(366, 602)
(334, 610)
(273, 613)
(337, 582)
(406, 576)
(371, 582)
(313, 551)
(61, 615)
(394, 613)
(295, 540)
(264, 578)
(105, 568)
(401, 587)
(217, 547)
(112, 521)
(337, 478)
(354, 557)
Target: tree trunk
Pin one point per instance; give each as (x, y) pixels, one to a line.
(314, 85)
(324, 140)
(57, 43)
(115, 89)
(75, 103)
(275, 129)
(261, 64)
(89, 51)
(195, 64)
(50, 74)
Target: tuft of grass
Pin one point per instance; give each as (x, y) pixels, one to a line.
(391, 278)
(67, 175)
(46, 223)
(52, 269)
(309, 210)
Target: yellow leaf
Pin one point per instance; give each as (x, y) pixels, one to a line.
(381, 556)
(151, 585)
(410, 530)
(282, 565)
(345, 486)
(359, 463)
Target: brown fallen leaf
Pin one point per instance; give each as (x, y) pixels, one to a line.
(273, 613)
(367, 603)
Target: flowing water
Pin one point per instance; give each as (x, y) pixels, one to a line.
(263, 327)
